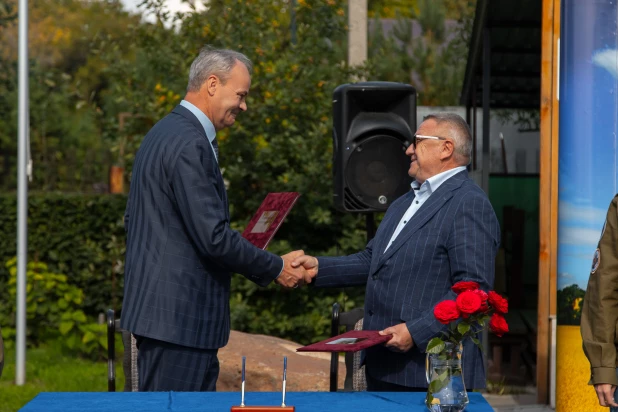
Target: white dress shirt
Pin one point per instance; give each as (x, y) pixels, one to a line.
(421, 194)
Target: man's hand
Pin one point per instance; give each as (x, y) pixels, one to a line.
(401, 340)
(605, 393)
(310, 264)
(293, 277)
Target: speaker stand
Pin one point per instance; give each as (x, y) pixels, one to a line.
(371, 226)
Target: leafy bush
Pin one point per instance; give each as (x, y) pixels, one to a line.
(48, 298)
(53, 311)
(79, 235)
(82, 236)
(87, 339)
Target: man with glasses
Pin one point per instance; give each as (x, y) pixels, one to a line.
(441, 232)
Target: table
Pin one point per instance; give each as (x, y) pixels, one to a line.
(222, 401)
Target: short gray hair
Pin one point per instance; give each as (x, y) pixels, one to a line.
(459, 132)
(219, 62)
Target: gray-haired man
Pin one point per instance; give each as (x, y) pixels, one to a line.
(181, 251)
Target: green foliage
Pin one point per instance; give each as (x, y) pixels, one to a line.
(570, 304)
(434, 63)
(87, 339)
(81, 236)
(454, 9)
(53, 311)
(432, 14)
(49, 298)
(65, 155)
(100, 78)
(435, 345)
(67, 84)
(7, 12)
(392, 8)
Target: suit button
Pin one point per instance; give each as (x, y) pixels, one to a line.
(370, 313)
(374, 277)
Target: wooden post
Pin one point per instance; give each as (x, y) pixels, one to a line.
(357, 32)
(116, 179)
(548, 187)
(116, 172)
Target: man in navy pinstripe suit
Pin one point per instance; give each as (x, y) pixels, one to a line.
(180, 248)
(441, 232)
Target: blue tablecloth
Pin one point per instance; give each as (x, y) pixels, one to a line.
(222, 401)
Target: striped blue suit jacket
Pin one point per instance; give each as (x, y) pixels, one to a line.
(454, 236)
(180, 248)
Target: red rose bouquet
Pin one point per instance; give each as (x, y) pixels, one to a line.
(468, 315)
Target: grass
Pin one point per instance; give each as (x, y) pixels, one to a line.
(49, 370)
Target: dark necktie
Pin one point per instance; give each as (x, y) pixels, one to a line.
(215, 146)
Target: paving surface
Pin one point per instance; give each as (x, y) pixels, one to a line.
(515, 403)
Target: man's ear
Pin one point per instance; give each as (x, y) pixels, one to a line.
(448, 150)
(211, 84)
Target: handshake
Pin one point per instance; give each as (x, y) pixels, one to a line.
(298, 269)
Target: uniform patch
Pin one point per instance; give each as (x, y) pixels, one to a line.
(596, 259)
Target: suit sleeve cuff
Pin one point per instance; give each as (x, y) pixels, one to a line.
(422, 332)
(282, 266)
(603, 375)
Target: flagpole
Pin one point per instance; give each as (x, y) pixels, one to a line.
(22, 193)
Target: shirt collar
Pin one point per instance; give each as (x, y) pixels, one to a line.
(209, 128)
(434, 182)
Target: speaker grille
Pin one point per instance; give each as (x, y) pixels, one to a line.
(351, 203)
(376, 173)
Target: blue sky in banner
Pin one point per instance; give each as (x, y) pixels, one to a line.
(588, 129)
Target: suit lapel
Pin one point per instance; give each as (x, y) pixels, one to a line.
(431, 206)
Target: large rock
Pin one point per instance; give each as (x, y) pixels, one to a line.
(307, 371)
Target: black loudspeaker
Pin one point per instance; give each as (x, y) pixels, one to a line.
(373, 125)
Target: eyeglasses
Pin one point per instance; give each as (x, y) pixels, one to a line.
(418, 137)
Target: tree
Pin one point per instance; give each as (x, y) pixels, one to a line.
(434, 63)
(570, 302)
(66, 80)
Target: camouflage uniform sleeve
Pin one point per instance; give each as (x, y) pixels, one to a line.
(600, 310)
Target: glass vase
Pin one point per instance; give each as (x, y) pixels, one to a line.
(446, 391)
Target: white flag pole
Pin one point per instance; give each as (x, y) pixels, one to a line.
(23, 105)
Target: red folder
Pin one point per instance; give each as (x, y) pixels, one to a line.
(269, 217)
(351, 341)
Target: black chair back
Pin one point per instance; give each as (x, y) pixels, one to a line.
(349, 320)
(129, 360)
